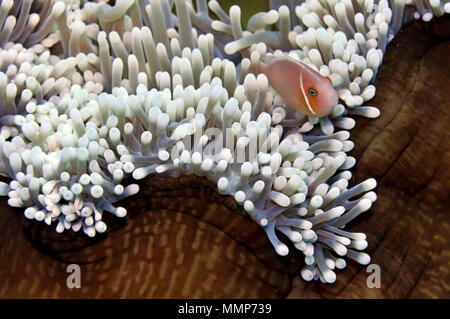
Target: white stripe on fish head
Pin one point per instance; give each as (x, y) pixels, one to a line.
(304, 94)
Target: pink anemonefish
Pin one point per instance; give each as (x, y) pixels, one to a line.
(301, 87)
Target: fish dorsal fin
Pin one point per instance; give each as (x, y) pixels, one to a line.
(269, 59)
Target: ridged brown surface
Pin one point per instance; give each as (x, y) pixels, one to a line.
(183, 240)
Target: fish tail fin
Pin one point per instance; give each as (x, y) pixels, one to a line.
(261, 68)
(264, 63)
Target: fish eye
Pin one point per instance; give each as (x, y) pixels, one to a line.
(312, 92)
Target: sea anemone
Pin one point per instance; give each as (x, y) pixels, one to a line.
(119, 93)
(341, 39)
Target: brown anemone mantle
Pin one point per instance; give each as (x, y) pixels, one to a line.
(184, 240)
